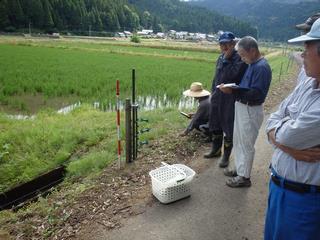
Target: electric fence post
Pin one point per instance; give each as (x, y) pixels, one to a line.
(128, 131)
(134, 117)
(132, 126)
(118, 123)
(280, 71)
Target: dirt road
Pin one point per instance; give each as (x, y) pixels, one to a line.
(213, 212)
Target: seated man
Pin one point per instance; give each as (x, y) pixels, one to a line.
(200, 119)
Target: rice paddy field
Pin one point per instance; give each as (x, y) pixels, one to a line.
(38, 76)
(39, 73)
(87, 71)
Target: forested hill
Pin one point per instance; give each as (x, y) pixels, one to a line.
(114, 15)
(274, 19)
(179, 15)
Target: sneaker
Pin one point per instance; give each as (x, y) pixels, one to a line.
(238, 181)
(230, 172)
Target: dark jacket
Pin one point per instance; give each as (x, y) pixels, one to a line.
(222, 105)
(201, 116)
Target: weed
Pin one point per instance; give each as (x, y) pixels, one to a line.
(135, 38)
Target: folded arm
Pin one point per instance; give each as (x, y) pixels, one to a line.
(300, 133)
(307, 155)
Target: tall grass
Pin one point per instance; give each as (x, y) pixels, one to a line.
(84, 140)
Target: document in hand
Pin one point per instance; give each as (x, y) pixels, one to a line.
(185, 114)
(230, 85)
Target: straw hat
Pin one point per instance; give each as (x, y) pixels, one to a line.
(196, 90)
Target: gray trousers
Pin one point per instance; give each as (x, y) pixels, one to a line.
(247, 122)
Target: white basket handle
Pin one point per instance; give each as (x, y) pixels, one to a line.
(178, 169)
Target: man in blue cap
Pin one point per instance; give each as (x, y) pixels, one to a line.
(229, 69)
(293, 211)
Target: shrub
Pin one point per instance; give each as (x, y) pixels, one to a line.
(135, 38)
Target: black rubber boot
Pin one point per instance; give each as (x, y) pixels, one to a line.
(227, 148)
(216, 147)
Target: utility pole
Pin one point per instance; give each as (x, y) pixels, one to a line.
(89, 30)
(30, 29)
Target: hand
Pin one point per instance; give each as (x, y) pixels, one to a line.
(306, 155)
(271, 137)
(184, 133)
(191, 114)
(226, 90)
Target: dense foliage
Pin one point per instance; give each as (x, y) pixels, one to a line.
(181, 16)
(275, 20)
(113, 15)
(53, 15)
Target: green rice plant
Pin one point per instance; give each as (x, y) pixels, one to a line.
(91, 75)
(58, 75)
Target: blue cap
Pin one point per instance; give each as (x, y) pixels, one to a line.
(226, 37)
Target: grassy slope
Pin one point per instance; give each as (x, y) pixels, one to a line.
(86, 136)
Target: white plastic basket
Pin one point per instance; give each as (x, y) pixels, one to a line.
(171, 182)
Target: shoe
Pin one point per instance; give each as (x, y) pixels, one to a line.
(238, 182)
(230, 172)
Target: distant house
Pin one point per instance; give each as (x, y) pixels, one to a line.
(142, 34)
(201, 36)
(219, 32)
(54, 35)
(192, 37)
(181, 35)
(145, 33)
(211, 38)
(127, 33)
(120, 34)
(172, 33)
(160, 35)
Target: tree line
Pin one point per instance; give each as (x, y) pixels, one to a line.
(57, 15)
(274, 19)
(114, 15)
(178, 15)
